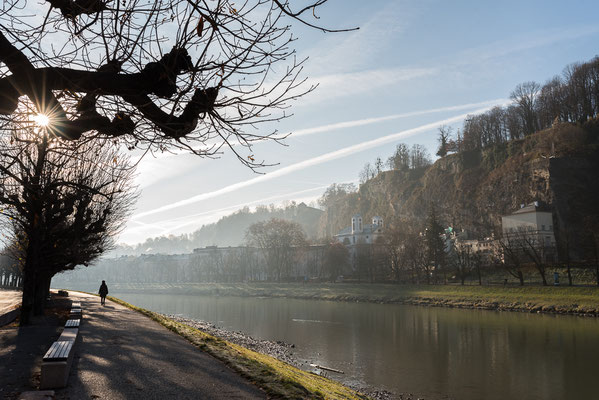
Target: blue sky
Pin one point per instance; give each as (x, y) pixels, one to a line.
(411, 67)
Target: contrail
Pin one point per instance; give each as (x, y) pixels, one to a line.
(353, 124)
(368, 121)
(344, 152)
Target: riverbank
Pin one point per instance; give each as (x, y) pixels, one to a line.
(574, 300)
(277, 378)
(280, 350)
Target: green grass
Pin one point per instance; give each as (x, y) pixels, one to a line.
(561, 299)
(278, 379)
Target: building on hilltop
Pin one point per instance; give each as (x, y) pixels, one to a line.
(360, 233)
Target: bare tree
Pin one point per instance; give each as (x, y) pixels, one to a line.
(551, 102)
(367, 173)
(464, 260)
(444, 135)
(525, 97)
(396, 244)
(419, 157)
(513, 261)
(536, 251)
(157, 75)
(63, 202)
(336, 259)
(400, 160)
(417, 257)
(591, 242)
(435, 245)
(378, 165)
(280, 241)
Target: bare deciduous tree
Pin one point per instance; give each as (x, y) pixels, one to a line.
(64, 203)
(336, 259)
(280, 240)
(157, 75)
(444, 135)
(525, 97)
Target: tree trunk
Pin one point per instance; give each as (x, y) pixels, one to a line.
(596, 254)
(28, 296)
(480, 281)
(38, 299)
(543, 277)
(521, 278)
(569, 275)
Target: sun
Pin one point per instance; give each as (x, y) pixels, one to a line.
(41, 120)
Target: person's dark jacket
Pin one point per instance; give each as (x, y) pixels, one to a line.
(103, 290)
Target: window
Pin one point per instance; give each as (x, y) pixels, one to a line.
(542, 227)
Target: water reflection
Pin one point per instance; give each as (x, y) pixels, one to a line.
(432, 352)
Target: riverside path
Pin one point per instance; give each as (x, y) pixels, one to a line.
(123, 354)
(9, 301)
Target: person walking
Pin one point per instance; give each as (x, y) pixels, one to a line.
(103, 292)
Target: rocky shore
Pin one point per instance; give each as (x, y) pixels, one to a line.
(278, 349)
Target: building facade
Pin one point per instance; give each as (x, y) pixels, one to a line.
(534, 221)
(360, 233)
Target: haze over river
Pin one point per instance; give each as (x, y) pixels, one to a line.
(430, 352)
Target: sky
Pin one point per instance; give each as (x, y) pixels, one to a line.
(410, 68)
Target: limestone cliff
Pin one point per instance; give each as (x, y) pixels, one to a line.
(472, 190)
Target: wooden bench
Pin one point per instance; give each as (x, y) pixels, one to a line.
(72, 323)
(75, 313)
(69, 334)
(57, 364)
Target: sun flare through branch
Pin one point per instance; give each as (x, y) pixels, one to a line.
(41, 120)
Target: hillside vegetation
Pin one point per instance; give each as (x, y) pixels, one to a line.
(473, 189)
(228, 231)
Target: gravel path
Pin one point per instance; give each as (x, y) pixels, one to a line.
(125, 355)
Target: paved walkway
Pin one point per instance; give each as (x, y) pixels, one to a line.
(9, 299)
(125, 355)
(22, 349)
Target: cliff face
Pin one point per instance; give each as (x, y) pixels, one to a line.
(472, 190)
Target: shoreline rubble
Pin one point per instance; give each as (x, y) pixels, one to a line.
(278, 349)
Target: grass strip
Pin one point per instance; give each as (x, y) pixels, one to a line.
(276, 378)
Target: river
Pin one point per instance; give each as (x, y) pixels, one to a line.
(434, 353)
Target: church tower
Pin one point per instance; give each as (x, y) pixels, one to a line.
(356, 224)
(378, 221)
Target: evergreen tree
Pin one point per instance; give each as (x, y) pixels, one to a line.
(435, 245)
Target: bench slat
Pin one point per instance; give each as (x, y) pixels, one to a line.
(72, 323)
(59, 351)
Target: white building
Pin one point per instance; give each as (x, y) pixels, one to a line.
(533, 220)
(359, 232)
